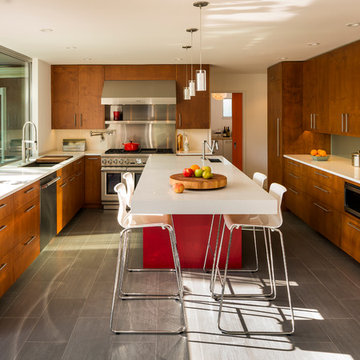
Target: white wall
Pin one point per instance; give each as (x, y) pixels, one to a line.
(41, 105)
(254, 89)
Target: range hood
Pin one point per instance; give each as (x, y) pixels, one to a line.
(138, 92)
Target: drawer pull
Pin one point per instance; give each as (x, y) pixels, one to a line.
(321, 189)
(292, 163)
(92, 158)
(63, 185)
(2, 206)
(72, 179)
(292, 190)
(294, 176)
(3, 266)
(323, 175)
(321, 207)
(29, 190)
(353, 226)
(30, 208)
(30, 240)
(3, 227)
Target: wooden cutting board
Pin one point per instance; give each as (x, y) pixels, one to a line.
(216, 182)
(52, 159)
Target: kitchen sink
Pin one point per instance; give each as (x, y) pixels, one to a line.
(40, 164)
(214, 160)
(48, 161)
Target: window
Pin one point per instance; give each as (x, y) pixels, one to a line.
(15, 76)
(227, 108)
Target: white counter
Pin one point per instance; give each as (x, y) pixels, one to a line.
(154, 194)
(336, 165)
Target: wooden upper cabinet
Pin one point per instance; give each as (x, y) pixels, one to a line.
(140, 72)
(316, 94)
(193, 113)
(344, 90)
(76, 97)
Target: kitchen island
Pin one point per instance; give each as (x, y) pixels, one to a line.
(192, 209)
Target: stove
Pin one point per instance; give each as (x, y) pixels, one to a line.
(115, 163)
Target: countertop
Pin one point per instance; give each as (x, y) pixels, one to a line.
(336, 165)
(13, 177)
(154, 194)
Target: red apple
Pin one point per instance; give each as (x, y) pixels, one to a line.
(178, 187)
(188, 172)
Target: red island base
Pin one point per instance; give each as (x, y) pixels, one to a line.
(192, 233)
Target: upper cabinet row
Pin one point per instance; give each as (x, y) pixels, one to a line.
(331, 92)
(76, 94)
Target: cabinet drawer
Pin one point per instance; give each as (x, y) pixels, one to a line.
(295, 202)
(6, 206)
(27, 194)
(326, 179)
(325, 194)
(7, 241)
(6, 273)
(27, 221)
(350, 240)
(293, 167)
(325, 220)
(65, 172)
(295, 180)
(25, 253)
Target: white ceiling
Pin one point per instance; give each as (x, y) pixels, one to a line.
(241, 35)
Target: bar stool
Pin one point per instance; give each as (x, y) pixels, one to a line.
(129, 222)
(271, 223)
(130, 186)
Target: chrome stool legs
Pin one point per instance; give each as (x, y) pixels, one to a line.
(118, 293)
(223, 282)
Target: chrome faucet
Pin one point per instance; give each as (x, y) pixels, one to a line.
(214, 144)
(26, 149)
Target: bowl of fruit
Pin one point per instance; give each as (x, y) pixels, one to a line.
(319, 155)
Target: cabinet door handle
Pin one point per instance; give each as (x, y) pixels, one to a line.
(29, 190)
(320, 188)
(292, 190)
(80, 120)
(294, 164)
(180, 120)
(92, 158)
(346, 122)
(320, 174)
(72, 179)
(314, 122)
(311, 121)
(342, 122)
(277, 137)
(2, 206)
(3, 266)
(30, 208)
(64, 184)
(74, 120)
(321, 207)
(30, 240)
(294, 176)
(3, 227)
(350, 224)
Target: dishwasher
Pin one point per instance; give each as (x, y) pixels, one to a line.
(48, 209)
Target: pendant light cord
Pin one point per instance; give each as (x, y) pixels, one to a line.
(200, 40)
(191, 58)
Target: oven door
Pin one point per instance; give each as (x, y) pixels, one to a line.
(109, 178)
(136, 172)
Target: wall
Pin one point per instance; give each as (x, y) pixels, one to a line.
(344, 145)
(254, 88)
(41, 105)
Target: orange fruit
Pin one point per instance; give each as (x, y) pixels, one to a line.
(322, 152)
(194, 167)
(313, 152)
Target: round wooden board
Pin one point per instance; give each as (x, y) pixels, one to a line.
(216, 182)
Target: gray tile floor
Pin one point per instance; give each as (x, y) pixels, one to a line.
(60, 307)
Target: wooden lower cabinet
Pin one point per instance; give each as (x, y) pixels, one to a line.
(92, 182)
(296, 202)
(6, 273)
(350, 239)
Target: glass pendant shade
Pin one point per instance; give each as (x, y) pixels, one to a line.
(200, 80)
(186, 93)
(192, 87)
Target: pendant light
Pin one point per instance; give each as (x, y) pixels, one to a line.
(186, 88)
(191, 81)
(200, 74)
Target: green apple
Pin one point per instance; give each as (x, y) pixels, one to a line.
(206, 168)
(207, 174)
(198, 173)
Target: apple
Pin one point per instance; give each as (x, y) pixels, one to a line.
(194, 167)
(206, 168)
(178, 187)
(207, 174)
(188, 172)
(198, 173)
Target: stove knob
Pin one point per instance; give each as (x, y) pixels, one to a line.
(103, 161)
(126, 161)
(115, 161)
(109, 162)
(121, 161)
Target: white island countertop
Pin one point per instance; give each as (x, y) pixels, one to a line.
(154, 194)
(336, 165)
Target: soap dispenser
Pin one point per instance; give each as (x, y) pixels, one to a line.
(186, 143)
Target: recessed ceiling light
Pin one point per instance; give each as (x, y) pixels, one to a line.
(283, 58)
(47, 30)
(178, 59)
(313, 44)
(87, 58)
(353, 24)
(71, 48)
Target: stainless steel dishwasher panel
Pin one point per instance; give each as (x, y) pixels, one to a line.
(48, 209)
